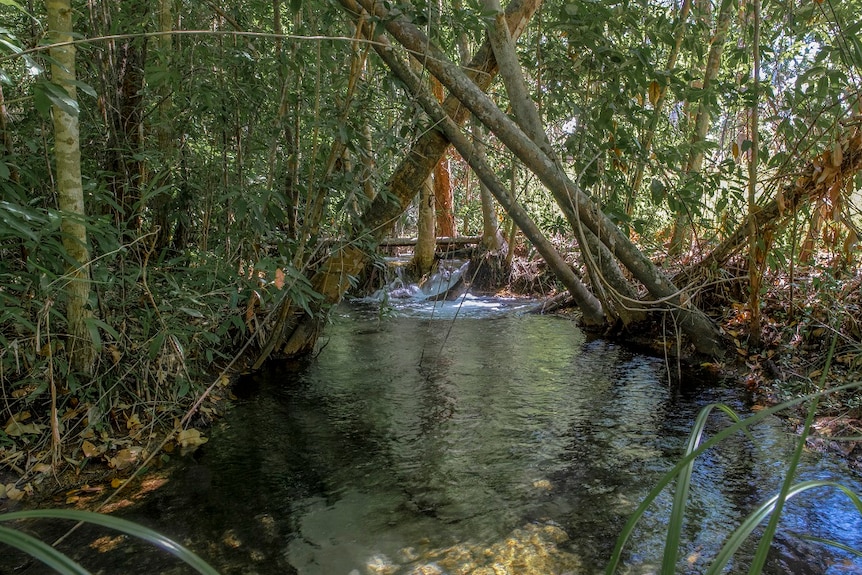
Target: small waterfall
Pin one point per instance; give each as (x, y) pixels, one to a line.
(449, 282)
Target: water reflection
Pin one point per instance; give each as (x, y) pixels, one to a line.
(410, 443)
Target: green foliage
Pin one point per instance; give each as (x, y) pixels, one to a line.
(770, 509)
(63, 564)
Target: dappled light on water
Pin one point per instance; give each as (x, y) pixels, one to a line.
(503, 443)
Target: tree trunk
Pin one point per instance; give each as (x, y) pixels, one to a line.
(70, 191)
(382, 214)
(682, 229)
(700, 329)
(492, 239)
(602, 268)
(164, 130)
(513, 227)
(367, 162)
(757, 246)
(426, 244)
(658, 104)
(444, 214)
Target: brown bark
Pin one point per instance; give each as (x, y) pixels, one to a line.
(444, 215)
(829, 171)
(702, 332)
(758, 247)
(380, 216)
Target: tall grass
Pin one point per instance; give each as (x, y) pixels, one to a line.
(770, 509)
(63, 564)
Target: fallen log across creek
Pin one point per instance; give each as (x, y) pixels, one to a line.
(445, 241)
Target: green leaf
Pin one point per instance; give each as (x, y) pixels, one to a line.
(40, 550)
(178, 346)
(191, 312)
(156, 345)
(183, 387)
(93, 324)
(56, 95)
(122, 525)
(657, 192)
(16, 5)
(85, 87)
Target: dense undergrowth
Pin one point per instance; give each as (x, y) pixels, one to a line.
(166, 332)
(169, 331)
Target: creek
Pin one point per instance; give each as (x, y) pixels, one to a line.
(468, 437)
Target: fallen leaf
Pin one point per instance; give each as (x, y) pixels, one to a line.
(43, 468)
(91, 450)
(125, 458)
(190, 438)
(133, 422)
(116, 482)
(16, 429)
(14, 493)
(116, 356)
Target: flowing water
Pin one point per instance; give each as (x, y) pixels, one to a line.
(466, 437)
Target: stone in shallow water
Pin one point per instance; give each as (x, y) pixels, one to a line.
(529, 550)
(380, 565)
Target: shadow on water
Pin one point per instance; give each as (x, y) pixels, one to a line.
(411, 445)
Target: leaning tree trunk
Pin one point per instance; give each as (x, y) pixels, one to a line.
(70, 191)
(589, 305)
(293, 333)
(609, 285)
(829, 171)
(702, 332)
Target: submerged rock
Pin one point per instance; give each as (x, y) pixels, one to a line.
(529, 550)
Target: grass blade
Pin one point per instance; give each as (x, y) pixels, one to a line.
(758, 515)
(667, 478)
(836, 544)
(41, 551)
(683, 483)
(766, 541)
(122, 525)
